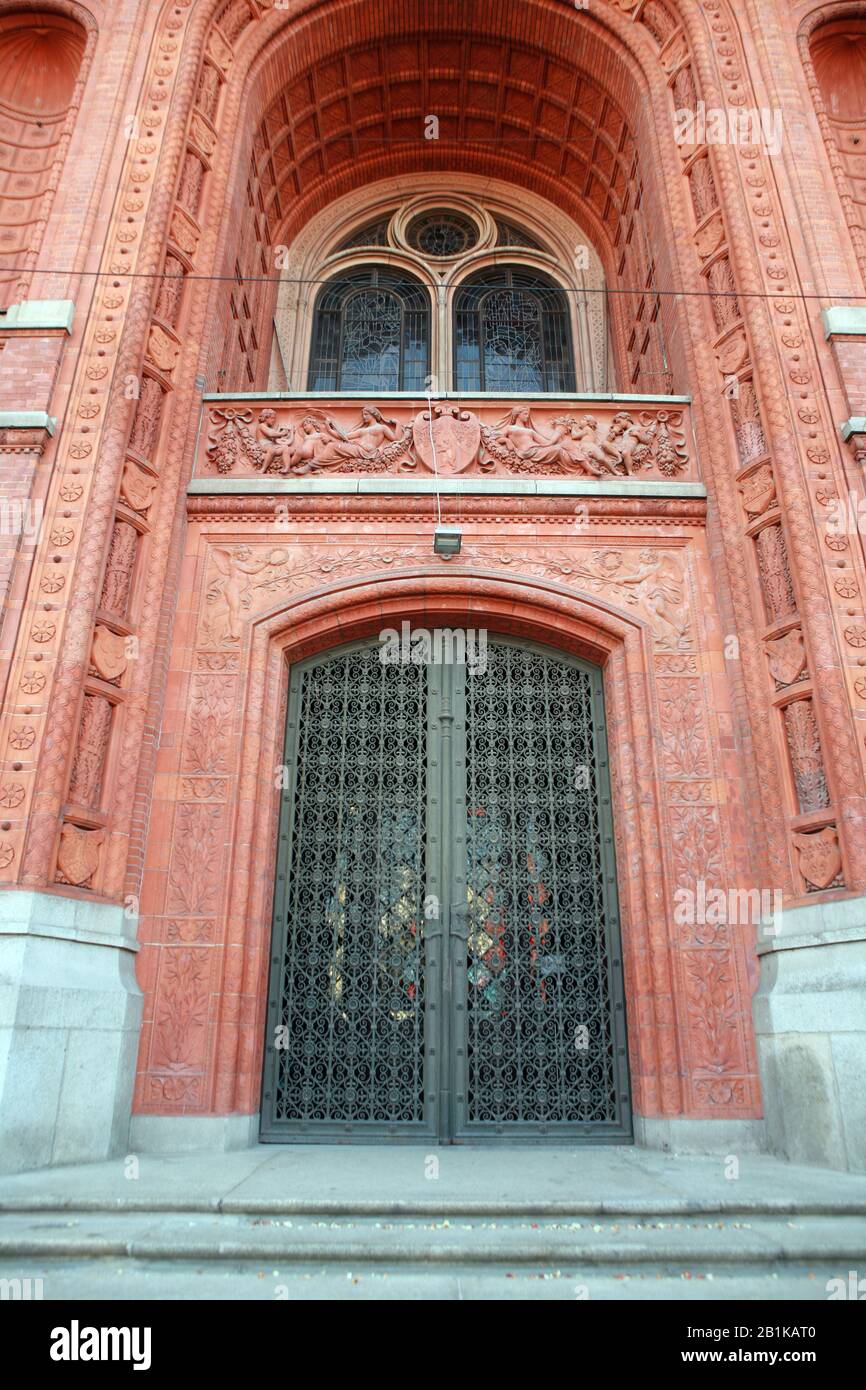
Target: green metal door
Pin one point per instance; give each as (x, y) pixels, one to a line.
(446, 960)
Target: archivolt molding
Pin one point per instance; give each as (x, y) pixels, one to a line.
(687, 988)
(801, 437)
(180, 144)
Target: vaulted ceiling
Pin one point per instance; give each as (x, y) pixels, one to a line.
(525, 92)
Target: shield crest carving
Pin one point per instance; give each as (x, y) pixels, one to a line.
(78, 854)
(108, 654)
(820, 856)
(786, 656)
(453, 434)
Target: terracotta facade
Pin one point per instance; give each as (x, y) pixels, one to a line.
(149, 624)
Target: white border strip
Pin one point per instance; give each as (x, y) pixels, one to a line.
(461, 487)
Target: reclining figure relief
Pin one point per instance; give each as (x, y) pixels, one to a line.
(566, 445)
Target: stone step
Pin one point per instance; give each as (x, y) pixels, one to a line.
(125, 1279)
(657, 1206)
(760, 1241)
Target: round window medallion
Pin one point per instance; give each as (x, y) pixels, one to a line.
(441, 232)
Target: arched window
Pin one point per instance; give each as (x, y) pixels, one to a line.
(371, 333)
(511, 333)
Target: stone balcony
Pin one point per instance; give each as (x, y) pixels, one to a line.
(613, 443)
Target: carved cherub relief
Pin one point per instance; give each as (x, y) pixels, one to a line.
(449, 439)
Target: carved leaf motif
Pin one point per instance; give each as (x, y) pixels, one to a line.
(712, 1007)
(85, 785)
(714, 1092)
(206, 746)
(195, 865)
(697, 846)
(804, 745)
(183, 999)
(776, 579)
(684, 742)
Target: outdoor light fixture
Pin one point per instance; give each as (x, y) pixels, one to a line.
(446, 541)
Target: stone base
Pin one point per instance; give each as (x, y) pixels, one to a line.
(685, 1136)
(810, 1021)
(186, 1134)
(182, 1134)
(70, 1013)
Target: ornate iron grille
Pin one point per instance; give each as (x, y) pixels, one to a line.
(540, 1044)
(446, 958)
(349, 982)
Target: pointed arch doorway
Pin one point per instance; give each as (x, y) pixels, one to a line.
(445, 959)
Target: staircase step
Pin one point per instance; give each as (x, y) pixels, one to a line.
(551, 1210)
(759, 1240)
(125, 1279)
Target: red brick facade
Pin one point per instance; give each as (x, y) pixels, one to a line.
(141, 727)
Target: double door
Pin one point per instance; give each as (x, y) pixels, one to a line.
(445, 958)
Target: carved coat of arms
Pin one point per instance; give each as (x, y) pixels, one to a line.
(820, 856)
(446, 438)
(786, 656)
(78, 855)
(108, 654)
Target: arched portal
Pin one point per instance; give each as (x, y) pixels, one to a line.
(445, 961)
(565, 119)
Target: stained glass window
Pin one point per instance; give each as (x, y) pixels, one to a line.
(371, 333)
(371, 234)
(442, 233)
(509, 235)
(511, 333)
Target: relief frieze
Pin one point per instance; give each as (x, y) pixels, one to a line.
(570, 438)
(243, 581)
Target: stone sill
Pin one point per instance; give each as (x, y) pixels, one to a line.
(38, 316)
(274, 486)
(844, 321)
(27, 420)
(465, 396)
